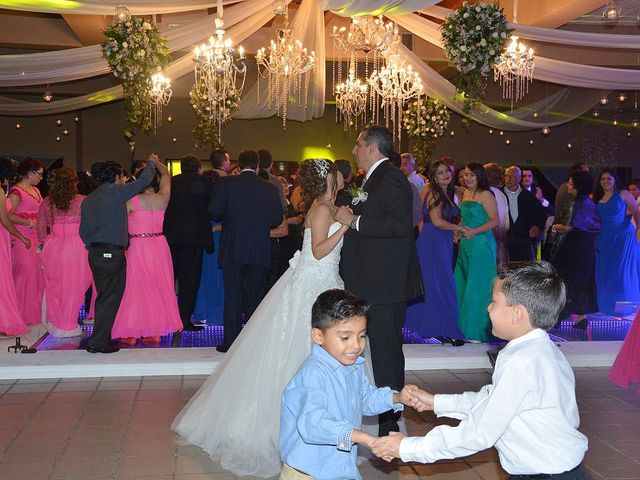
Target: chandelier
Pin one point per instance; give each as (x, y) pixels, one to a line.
(611, 12)
(393, 85)
(514, 70)
(121, 14)
(219, 73)
(287, 69)
(351, 100)
(367, 34)
(159, 96)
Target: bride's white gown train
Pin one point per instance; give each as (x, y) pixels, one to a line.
(235, 416)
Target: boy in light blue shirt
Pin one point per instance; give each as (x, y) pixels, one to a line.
(322, 406)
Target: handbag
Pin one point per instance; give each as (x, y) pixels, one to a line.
(556, 239)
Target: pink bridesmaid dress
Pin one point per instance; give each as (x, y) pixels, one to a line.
(626, 368)
(11, 322)
(148, 307)
(67, 275)
(27, 267)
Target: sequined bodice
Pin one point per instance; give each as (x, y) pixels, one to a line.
(306, 258)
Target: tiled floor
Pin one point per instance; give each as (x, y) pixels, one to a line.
(119, 428)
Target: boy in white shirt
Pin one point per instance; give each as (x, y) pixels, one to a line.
(529, 412)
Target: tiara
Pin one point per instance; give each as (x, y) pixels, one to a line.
(322, 166)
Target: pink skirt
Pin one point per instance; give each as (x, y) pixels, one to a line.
(67, 277)
(28, 277)
(11, 322)
(626, 368)
(149, 306)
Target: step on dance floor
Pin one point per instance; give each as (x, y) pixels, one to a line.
(192, 353)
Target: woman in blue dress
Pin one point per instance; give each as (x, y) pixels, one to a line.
(210, 298)
(436, 315)
(476, 265)
(617, 249)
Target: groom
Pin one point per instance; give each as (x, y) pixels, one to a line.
(380, 262)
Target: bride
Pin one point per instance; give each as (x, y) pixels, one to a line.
(235, 416)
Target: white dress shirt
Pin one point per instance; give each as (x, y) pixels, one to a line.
(512, 197)
(364, 182)
(529, 413)
(416, 180)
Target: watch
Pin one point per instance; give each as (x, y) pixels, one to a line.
(354, 222)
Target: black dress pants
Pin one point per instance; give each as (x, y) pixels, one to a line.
(109, 269)
(187, 268)
(384, 329)
(239, 278)
(520, 249)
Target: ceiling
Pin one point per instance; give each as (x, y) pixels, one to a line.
(48, 32)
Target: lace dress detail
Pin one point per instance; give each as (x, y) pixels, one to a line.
(48, 216)
(235, 416)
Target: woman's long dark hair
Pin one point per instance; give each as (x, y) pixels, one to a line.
(598, 191)
(478, 170)
(63, 189)
(439, 195)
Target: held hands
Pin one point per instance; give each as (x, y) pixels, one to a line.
(534, 231)
(416, 398)
(387, 448)
(344, 215)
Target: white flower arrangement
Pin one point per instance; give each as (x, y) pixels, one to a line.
(134, 50)
(425, 121)
(206, 129)
(473, 38)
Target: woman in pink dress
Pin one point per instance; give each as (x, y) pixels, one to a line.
(11, 322)
(626, 368)
(25, 200)
(148, 308)
(67, 275)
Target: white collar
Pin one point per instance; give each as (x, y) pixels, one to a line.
(248, 170)
(509, 192)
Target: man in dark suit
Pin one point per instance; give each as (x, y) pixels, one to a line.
(526, 217)
(380, 261)
(188, 231)
(248, 208)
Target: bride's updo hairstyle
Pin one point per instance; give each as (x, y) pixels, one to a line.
(313, 179)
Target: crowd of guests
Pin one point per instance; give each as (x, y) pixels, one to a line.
(467, 222)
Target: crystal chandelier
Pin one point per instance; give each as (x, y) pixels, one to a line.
(394, 85)
(514, 70)
(219, 73)
(367, 34)
(611, 13)
(287, 68)
(121, 14)
(351, 100)
(159, 96)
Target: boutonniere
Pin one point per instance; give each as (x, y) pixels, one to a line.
(357, 195)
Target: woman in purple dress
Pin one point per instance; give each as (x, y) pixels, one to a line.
(436, 315)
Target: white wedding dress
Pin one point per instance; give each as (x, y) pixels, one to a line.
(235, 416)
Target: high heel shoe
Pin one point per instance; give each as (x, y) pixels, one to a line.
(581, 324)
(454, 342)
(155, 339)
(128, 340)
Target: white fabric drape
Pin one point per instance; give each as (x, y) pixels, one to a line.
(351, 8)
(254, 20)
(308, 27)
(90, 7)
(85, 62)
(436, 86)
(559, 37)
(546, 69)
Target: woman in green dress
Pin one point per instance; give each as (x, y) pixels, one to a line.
(476, 265)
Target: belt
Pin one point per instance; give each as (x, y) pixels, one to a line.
(145, 235)
(546, 475)
(111, 246)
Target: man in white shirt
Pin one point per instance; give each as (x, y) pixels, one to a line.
(529, 412)
(408, 167)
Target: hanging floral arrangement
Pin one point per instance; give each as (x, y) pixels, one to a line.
(425, 121)
(207, 130)
(134, 50)
(473, 38)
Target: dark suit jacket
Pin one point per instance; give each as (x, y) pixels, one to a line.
(380, 261)
(530, 213)
(186, 220)
(248, 208)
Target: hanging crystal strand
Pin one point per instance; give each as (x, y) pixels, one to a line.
(284, 105)
(306, 89)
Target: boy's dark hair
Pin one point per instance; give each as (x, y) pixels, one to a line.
(335, 306)
(537, 287)
(217, 158)
(266, 160)
(248, 159)
(190, 164)
(344, 167)
(108, 173)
